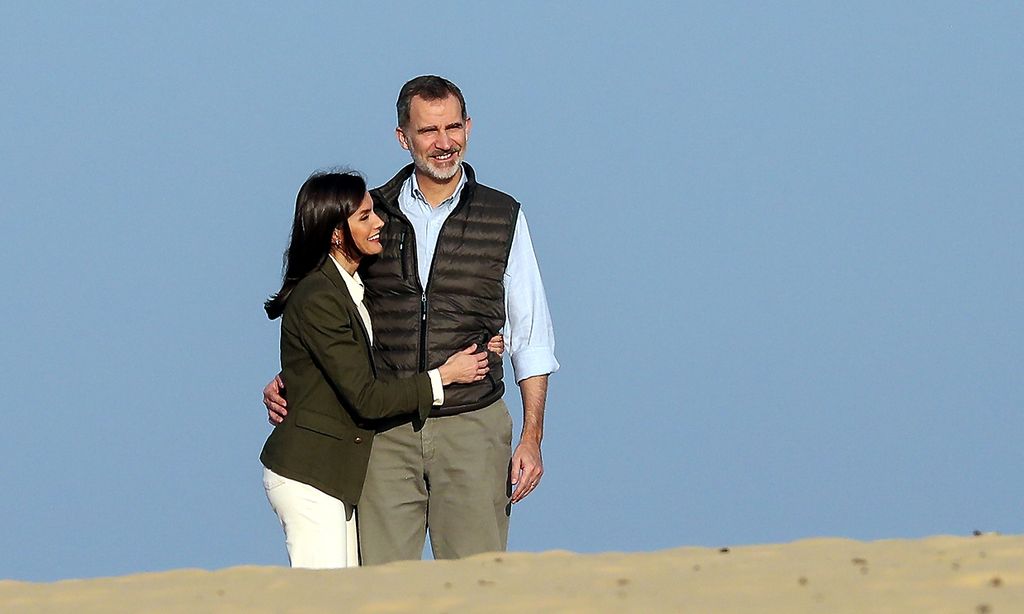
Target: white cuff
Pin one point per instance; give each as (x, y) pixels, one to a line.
(436, 386)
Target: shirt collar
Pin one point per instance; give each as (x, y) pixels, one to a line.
(354, 283)
(414, 189)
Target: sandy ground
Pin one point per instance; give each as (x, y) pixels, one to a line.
(970, 575)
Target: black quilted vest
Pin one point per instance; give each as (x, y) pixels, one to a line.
(417, 329)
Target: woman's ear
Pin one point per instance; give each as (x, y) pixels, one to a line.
(338, 239)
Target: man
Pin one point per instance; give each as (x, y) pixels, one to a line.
(458, 267)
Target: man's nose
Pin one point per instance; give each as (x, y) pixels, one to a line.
(443, 141)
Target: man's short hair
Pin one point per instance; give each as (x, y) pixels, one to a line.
(428, 87)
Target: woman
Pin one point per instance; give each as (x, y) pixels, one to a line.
(315, 461)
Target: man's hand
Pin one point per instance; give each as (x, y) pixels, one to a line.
(273, 398)
(527, 466)
(527, 469)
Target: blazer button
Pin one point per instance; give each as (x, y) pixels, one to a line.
(358, 440)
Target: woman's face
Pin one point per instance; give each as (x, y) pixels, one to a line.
(365, 228)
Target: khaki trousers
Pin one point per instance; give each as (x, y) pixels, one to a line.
(451, 478)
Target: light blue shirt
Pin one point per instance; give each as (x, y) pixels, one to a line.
(529, 336)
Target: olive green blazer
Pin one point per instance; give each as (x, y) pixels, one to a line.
(334, 392)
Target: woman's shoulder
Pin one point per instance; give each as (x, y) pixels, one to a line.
(313, 282)
(315, 292)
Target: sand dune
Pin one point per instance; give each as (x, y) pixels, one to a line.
(970, 575)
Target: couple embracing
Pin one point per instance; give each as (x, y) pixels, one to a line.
(395, 306)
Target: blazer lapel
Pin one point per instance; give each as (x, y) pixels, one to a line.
(330, 270)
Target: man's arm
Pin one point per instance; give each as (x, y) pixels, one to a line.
(273, 398)
(527, 466)
(531, 345)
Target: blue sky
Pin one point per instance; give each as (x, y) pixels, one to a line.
(782, 244)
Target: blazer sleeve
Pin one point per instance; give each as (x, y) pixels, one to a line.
(325, 327)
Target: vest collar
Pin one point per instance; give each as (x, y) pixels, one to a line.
(388, 193)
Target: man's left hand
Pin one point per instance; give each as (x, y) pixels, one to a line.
(527, 469)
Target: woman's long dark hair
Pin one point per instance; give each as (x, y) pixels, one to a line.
(324, 203)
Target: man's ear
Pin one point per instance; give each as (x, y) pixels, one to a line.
(401, 138)
(469, 125)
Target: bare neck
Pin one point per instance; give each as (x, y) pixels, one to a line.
(346, 263)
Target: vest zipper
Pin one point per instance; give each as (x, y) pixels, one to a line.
(465, 197)
(401, 255)
(423, 332)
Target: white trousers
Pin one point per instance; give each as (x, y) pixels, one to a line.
(319, 530)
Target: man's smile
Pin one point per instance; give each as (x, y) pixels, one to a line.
(442, 157)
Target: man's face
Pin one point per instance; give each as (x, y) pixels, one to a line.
(436, 136)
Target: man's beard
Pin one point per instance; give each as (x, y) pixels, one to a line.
(424, 165)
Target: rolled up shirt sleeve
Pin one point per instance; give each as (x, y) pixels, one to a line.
(528, 332)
